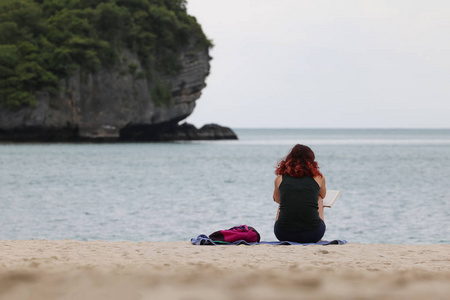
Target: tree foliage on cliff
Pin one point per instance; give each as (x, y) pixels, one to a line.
(43, 41)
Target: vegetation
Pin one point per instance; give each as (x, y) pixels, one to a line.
(161, 95)
(43, 41)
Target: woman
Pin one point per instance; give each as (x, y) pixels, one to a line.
(299, 190)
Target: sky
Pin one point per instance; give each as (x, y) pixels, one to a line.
(325, 64)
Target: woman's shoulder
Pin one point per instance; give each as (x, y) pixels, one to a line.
(320, 179)
(278, 181)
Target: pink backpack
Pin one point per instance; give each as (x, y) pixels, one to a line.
(237, 233)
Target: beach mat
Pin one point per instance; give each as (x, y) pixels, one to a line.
(205, 240)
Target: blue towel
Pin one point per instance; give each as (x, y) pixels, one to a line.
(204, 240)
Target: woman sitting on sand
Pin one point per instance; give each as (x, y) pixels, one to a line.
(299, 191)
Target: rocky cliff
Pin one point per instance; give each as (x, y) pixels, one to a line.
(94, 71)
(99, 105)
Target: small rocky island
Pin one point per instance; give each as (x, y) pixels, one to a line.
(95, 71)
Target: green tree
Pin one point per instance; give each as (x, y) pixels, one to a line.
(44, 41)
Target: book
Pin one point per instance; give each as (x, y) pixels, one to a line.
(331, 197)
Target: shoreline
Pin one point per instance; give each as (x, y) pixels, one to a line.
(70, 269)
(137, 133)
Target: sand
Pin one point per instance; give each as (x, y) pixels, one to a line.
(66, 269)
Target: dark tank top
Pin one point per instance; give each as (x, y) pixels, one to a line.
(299, 204)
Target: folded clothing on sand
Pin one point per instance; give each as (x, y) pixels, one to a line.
(204, 240)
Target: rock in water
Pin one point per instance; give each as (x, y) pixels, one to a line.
(216, 132)
(99, 106)
(142, 83)
(173, 132)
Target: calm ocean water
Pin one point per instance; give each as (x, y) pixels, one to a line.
(394, 183)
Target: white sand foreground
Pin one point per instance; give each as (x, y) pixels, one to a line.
(66, 269)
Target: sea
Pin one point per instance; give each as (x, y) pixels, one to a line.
(394, 183)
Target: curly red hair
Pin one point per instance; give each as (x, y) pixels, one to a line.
(300, 162)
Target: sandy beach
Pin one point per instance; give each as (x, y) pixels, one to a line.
(67, 269)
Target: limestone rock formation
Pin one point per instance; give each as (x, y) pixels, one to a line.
(98, 106)
(100, 70)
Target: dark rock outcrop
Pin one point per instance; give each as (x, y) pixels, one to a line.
(170, 132)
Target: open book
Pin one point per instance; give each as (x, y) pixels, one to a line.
(331, 197)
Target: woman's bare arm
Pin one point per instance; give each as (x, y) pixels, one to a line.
(276, 190)
(322, 193)
(322, 184)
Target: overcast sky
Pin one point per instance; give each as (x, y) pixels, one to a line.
(326, 64)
